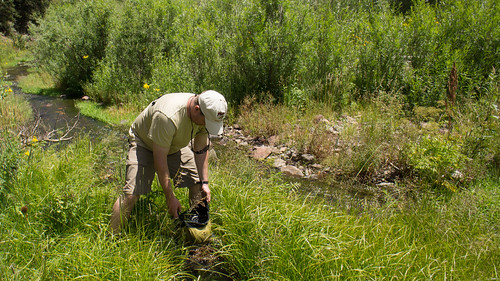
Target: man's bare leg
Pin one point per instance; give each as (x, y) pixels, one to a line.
(121, 211)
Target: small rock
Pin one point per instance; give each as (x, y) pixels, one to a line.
(212, 154)
(317, 166)
(443, 131)
(85, 98)
(279, 163)
(261, 152)
(313, 177)
(351, 120)
(223, 142)
(308, 157)
(386, 184)
(273, 140)
(292, 171)
(319, 118)
(457, 175)
(333, 130)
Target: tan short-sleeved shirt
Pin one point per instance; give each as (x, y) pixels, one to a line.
(166, 122)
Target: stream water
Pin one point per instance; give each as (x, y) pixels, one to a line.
(56, 117)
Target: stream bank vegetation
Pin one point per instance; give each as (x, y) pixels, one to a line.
(378, 95)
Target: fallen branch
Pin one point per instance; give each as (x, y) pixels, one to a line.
(64, 137)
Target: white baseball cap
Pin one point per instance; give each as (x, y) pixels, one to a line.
(213, 105)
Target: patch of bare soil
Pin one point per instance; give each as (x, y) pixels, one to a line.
(206, 263)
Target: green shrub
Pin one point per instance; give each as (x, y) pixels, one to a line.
(264, 56)
(71, 40)
(336, 53)
(438, 161)
(7, 53)
(139, 32)
(7, 16)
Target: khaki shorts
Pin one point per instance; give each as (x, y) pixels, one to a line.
(141, 170)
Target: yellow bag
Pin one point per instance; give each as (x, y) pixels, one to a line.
(197, 223)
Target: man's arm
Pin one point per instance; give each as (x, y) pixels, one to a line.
(201, 160)
(161, 166)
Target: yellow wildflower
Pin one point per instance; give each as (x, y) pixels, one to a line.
(85, 57)
(9, 90)
(34, 139)
(146, 86)
(156, 89)
(27, 153)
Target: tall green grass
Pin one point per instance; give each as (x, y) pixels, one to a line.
(10, 54)
(55, 218)
(56, 213)
(272, 230)
(268, 228)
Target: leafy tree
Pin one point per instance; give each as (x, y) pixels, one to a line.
(27, 11)
(7, 15)
(20, 13)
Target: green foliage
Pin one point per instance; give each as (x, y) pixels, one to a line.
(61, 212)
(16, 15)
(71, 41)
(139, 31)
(296, 98)
(14, 112)
(55, 219)
(283, 235)
(9, 159)
(7, 53)
(265, 119)
(438, 160)
(7, 16)
(338, 53)
(269, 37)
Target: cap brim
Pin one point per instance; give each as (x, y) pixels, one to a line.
(214, 127)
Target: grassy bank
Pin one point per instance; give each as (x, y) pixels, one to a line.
(56, 205)
(10, 55)
(55, 216)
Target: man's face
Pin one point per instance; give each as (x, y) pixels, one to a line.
(197, 116)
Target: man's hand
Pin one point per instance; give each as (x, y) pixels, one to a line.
(161, 165)
(206, 190)
(174, 207)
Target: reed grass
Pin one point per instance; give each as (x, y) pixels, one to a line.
(272, 230)
(268, 228)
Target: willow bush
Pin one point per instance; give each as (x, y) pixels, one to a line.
(335, 52)
(71, 40)
(138, 32)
